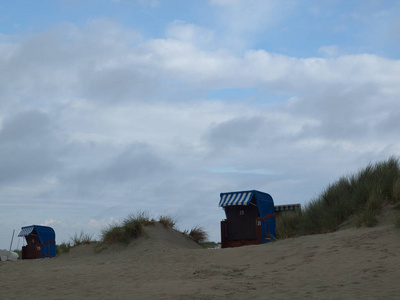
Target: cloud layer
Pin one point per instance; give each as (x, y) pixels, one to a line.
(98, 121)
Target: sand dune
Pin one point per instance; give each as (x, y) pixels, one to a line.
(348, 264)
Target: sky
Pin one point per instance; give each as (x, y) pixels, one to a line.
(113, 107)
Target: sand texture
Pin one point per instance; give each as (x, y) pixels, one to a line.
(352, 263)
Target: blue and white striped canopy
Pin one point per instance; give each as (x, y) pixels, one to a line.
(236, 198)
(26, 230)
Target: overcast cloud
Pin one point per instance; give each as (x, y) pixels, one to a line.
(101, 117)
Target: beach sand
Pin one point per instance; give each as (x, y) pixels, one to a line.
(355, 263)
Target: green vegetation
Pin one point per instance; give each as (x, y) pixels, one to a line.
(287, 224)
(62, 248)
(360, 197)
(132, 227)
(210, 244)
(78, 239)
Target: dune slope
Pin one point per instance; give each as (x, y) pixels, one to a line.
(348, 264)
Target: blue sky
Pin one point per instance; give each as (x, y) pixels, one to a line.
(111, 107)
(296, 28)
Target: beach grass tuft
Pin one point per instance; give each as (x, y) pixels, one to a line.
(81, 239)
(131, 228)
(114, 234)
(360, 196)
(167, 221)
(197, 234)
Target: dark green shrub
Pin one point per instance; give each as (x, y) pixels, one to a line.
(62, 248)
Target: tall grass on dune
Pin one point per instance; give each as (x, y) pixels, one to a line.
(360, 196)
(287, 224)
(132, 227)
(167, 221)
(81, 238)
(197, 234)
(78, 239)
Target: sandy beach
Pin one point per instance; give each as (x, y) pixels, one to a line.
(355, 263)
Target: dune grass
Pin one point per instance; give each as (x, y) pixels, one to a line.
(287, 224)
(360, 196)
(131, 228)
(81, 239)
(167, 221)
(197, 234)
(78, 239)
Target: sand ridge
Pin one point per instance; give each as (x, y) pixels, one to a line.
(352, 263)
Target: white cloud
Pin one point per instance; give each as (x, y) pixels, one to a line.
(51, 222)
(96, 224)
